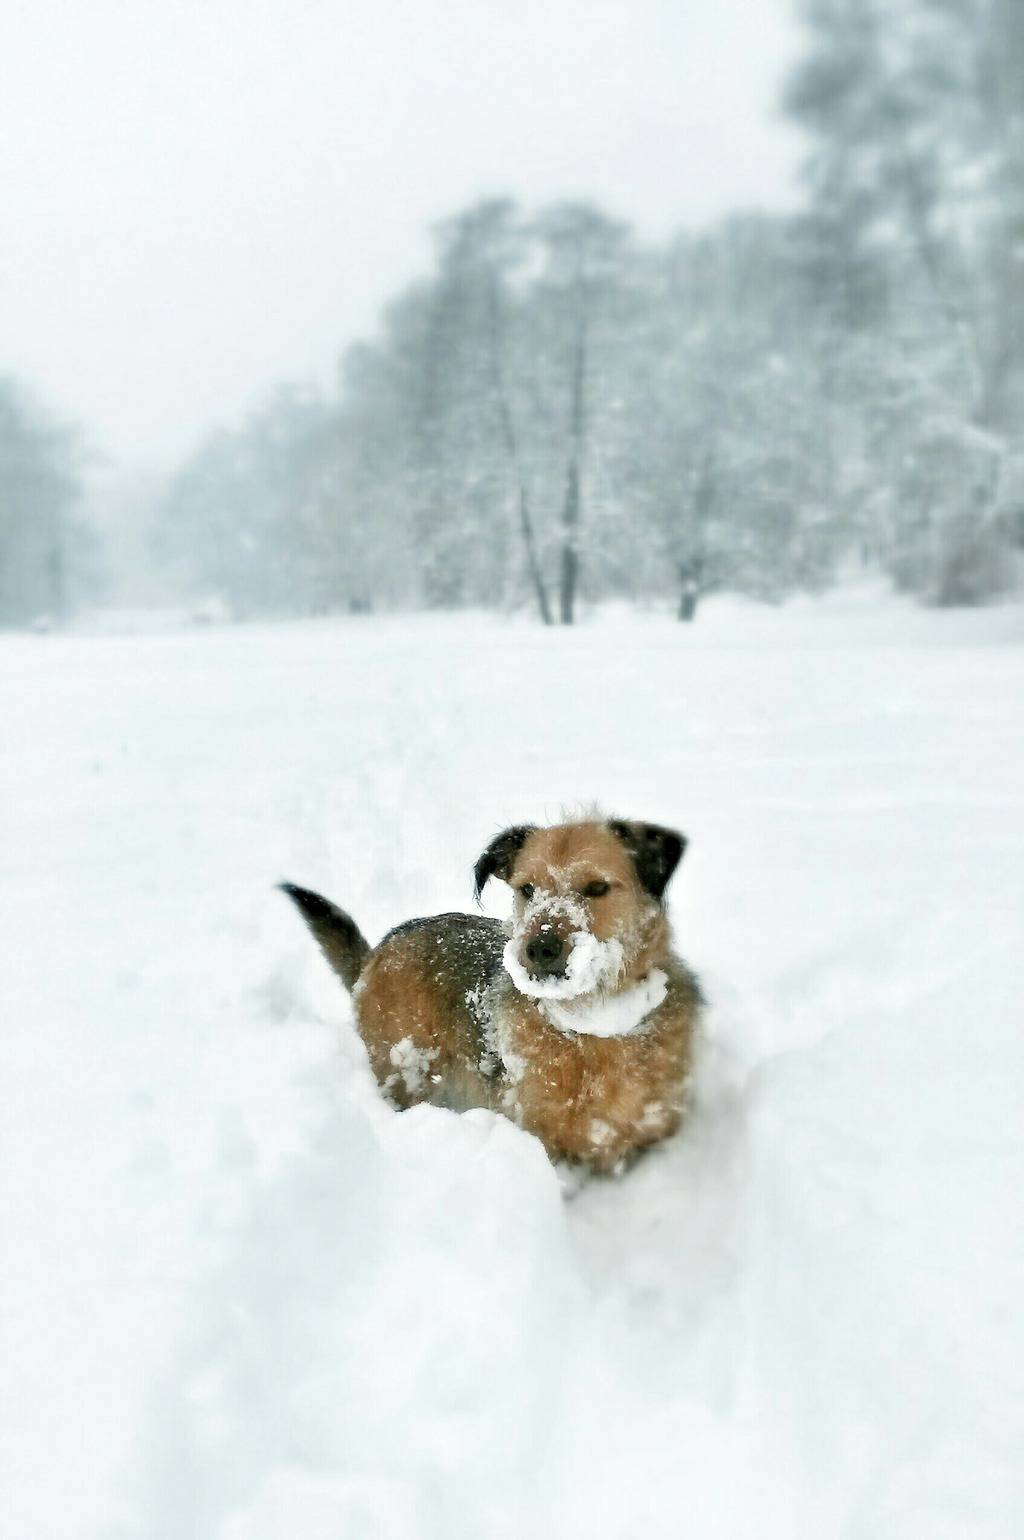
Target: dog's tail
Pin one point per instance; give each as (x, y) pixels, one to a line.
(339, 937)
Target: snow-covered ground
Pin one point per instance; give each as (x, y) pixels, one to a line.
(243, 1300)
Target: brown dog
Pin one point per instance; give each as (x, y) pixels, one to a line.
(576, 1019)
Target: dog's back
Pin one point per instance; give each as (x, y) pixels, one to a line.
(420, 998)
(421, 1003)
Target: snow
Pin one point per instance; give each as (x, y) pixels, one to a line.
(591, 964)
(609, 1015)
(412, 1065)
(244, 1299)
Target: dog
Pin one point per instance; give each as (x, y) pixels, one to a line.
(575, 1019)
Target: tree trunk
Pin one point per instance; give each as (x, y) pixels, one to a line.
(508, 432)
(533, 564)
(690, 573)
(691, 565)
(571, 508)
(570, 564)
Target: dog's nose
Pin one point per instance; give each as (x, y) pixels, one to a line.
(546, 953)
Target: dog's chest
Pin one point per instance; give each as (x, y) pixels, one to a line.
(587, 1096)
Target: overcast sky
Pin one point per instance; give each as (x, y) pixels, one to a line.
(201, 197)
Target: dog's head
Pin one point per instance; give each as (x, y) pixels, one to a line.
(588, 912)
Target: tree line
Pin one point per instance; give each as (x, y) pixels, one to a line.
(558, 410)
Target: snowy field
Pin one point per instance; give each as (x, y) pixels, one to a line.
(243, 1300)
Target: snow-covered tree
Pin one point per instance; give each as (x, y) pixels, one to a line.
(46, 552)
(235, 520)
(915, 238)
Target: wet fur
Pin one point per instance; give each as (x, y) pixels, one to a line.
(443, 1022)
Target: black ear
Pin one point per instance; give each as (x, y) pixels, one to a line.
(499, 857)
(656, 852)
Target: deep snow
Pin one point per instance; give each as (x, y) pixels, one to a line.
(242, 1299)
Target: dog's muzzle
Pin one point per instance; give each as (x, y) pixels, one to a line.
(552, 955)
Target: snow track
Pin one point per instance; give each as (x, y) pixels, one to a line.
(243, 1300)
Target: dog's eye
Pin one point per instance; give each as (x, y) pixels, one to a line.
(595, 890)
(527, 890)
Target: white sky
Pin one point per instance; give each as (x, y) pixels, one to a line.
(201, 197)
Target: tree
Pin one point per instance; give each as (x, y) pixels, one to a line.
(43, 547)
(583, 252)
(720, 421)
(916, 113)
(235, 519)
(479, 252)
(498, 247)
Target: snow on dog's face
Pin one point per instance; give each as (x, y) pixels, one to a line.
(587, 916)
(553, 953)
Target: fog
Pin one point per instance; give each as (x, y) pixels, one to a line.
(200, 200)
(333, 307)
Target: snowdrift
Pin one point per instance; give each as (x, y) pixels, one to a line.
(243, 1300)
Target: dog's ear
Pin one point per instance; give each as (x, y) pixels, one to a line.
(656, 852)
(499, 857)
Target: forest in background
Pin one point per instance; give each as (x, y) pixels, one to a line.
(559, 412)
